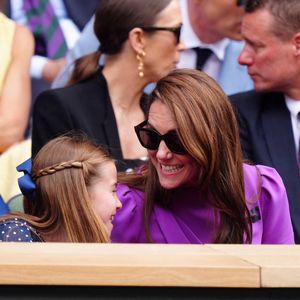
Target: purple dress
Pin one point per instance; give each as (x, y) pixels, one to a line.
(190, 220)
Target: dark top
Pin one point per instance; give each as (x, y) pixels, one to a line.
(86, 107)
(18, 230)
(267, 138)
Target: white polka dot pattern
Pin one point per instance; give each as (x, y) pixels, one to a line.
(17, 230)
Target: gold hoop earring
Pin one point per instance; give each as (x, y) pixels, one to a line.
(140, 57)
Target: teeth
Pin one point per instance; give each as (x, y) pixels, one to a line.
(171, 168)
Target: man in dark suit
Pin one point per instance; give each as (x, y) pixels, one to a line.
(269, 117)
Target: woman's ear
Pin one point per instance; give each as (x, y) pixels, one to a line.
(136, 39)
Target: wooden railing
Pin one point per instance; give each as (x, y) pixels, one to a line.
(149, 265)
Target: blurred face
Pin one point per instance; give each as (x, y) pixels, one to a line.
(213, 20)
(174, 170)
(103, 195)
(162, 49)
(270, 60)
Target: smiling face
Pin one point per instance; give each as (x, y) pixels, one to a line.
(162, 50)
(174, 170)
(103, 195)
(270, 60)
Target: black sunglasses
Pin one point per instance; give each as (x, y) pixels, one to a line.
(175, 30)
(150, 139)
(241, 2)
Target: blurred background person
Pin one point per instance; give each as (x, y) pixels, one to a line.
(16, 51)
(70, 195)
(196, 188)
(211, 25)
(15, 54)
(56, 25)
(141, 45)
(212, 37)
(269, 116)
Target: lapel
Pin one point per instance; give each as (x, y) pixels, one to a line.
(279, 137)
(109, 123)
(276, 125)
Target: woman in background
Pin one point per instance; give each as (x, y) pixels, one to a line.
(15, 92)
(141, 44)
(70, 195)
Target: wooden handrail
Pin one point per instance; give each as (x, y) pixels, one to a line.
(149, 265)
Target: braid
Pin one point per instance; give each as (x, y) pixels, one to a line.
(57, 167)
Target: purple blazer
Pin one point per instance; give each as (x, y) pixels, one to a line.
(190, 220)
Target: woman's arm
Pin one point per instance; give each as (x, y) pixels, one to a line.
(15, 99)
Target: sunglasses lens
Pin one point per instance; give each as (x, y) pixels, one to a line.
(177, 33)
(149, 139)
(240, 2)
(174, 144)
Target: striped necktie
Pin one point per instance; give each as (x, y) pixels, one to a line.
(202, 56)
(43, 23)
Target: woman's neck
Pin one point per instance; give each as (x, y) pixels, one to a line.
(124, 85)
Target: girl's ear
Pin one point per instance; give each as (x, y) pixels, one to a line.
(137, 39)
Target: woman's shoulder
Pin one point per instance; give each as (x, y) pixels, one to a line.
(262, 176)
(263, 184)
(130, 196)
(128, 222)
(88, 90)
(17, 230)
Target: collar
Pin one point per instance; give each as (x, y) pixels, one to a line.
(293, 105)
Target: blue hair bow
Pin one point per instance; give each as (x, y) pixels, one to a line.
(26, 184)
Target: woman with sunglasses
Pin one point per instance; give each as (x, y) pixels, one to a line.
(195, 187)
(140, 42)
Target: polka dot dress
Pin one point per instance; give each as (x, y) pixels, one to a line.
(18, 230)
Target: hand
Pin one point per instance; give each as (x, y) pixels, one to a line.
(52, 68)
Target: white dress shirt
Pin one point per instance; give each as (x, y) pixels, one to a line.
(294, 108)
(190, 40)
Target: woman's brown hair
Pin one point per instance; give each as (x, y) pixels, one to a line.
(113, 21)
(63, 171)
(208, 129)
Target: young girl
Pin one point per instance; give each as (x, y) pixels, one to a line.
(70, 195)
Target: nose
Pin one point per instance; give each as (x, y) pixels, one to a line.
(163, 151)
(118, 203)
(245, 57)
(181, 46)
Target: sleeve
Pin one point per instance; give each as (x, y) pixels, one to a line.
(11, 231)
(37, 65)
(128, 222)
(277, 225)
(50, 119)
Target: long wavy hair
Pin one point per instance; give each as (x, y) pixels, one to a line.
(207, 127)
(63, 171)
(114, 20)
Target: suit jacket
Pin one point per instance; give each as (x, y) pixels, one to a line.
(84, 107)
(267, 138)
